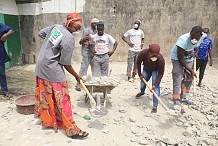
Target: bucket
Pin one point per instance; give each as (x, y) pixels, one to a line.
(25, 104)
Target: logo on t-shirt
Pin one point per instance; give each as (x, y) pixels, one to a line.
(100, 45)
(55, 36)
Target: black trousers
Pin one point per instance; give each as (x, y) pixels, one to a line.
(202, 65)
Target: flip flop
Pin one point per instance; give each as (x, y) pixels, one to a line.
(81, 135)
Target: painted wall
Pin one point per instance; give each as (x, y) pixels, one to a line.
(51, 6)
(8, 7)
(13, 42)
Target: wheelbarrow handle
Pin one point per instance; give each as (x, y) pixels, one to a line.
(158, 98)
(92, 100)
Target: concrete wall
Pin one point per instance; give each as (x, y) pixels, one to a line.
(163, 21)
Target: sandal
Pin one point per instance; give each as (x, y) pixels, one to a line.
(8, 95)
(80, 135)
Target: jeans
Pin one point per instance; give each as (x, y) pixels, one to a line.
(147, 74)
(3, 81)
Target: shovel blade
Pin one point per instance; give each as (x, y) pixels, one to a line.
(99, 110)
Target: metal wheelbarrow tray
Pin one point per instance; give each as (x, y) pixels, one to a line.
(99, 88)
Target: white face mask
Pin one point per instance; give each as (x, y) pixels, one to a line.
(194, 41)
(153, 59)
(136, 25)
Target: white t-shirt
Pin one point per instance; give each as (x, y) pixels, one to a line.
(135, 37)
(102, 43)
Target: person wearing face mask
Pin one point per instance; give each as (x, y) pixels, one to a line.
(135, 39)
(86, 50)
(182, 56)
(204, 50)
(53, 106)
(101, 51)
(153, 66)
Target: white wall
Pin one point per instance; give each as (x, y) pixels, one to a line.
(8, 7)
(53, 6)
(63, 6)
(29, 9)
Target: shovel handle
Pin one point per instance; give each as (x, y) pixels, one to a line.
(92, 101)
(194, 79)
(158, 98)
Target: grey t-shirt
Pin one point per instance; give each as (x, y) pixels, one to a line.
(86, 48)
(56, 51)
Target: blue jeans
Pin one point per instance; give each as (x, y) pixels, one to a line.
(3, 81)
(147, 74)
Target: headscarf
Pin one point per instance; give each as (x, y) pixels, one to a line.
(94, 20)
(73, 17)
(154, 48)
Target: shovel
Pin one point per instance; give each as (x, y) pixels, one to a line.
(171, 112)
(96, 110)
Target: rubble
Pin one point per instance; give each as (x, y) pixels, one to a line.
(102, 81)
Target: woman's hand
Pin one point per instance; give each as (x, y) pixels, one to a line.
(78, 78)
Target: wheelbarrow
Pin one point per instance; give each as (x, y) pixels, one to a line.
(99, 88)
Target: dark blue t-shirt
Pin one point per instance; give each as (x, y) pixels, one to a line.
(3, 54)
(203, 49)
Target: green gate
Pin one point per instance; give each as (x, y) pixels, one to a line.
(13, 43)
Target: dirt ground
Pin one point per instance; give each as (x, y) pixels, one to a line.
(129, 121)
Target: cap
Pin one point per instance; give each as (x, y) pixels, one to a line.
(154, 48)
(100, 24)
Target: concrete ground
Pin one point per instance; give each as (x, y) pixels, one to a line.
(128, 122)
